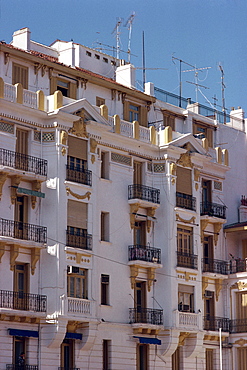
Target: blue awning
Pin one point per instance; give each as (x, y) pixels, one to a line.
(23, 333)
(145, 340)
(73, 336)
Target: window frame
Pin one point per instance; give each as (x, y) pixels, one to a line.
(185, 239)
(22, 77)
(73, 279)
(105, 287)
(104, 227)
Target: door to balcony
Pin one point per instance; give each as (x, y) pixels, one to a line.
(206, 191)
(19, 347)
(21, 149)
(21, 217)
(67, 354)
(137, 175)
(140, 233)
(140, 300)
(20, 301)
(209, 311)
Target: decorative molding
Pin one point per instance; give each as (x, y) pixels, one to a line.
(182, 337)
(79, 127)
(185, 160)
(63, 137)
(204, 286)
(63, 151)
(241, 342)
(217, 228)
(241, 285)
(173, 169)
(196, 186)
(92, 158)
(196, 174)
(133, 275)
(2, 250)
(93, 145)
(35, 256)
(218, 287)
(173, 181)
(14, 252)
(36, 186)
(15, 182)
(190, 221)
(151, 277)
(78, 196)
(3, 177)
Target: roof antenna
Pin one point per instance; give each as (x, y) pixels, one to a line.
(129, 22)
(223, 86)
(117, 31)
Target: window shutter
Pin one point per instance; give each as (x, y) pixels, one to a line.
(72, 90)
(77, 148)
(20, 75)
(21, 141)
(143, 116)
(126, 111)
(53, 85)
(77, 214)
(184, 181)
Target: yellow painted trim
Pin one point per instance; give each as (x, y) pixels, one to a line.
(1, 88)
(78, 196)
(136, 130)
(152, 132)
(104, 111)
(205, 143)
(167, 134)
(218, 154)
(117, 124)
(226, 157)
(41, 100)
(19, 93)
(58, 99)
(233, 229)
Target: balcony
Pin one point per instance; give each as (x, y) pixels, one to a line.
(143, 192)
(146, 316)
(215, 323)
(188, 320)
(79, 306)
(81, 176)
(238, 326)
(78, 238)
(213, 210)
(23, 301)
(143, 253)
(187, 260)
(24, 231)
(23, 162)
(237, 265)
(21, 367)
(214, 266)
(185, 201)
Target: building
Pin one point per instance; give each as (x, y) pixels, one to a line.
(122, 240)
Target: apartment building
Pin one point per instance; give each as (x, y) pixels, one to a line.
(122, 229)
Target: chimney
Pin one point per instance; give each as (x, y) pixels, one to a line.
(125, 75)
(21, 38)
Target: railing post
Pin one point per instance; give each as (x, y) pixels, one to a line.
(104, 111)
(58, 99)
(136, 130)
(40, 100)
(19, 93)
(152, 132)
(1, 88)
(117, 124)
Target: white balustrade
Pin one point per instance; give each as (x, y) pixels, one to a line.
(79, 306)
(188, 320)
(126, 128)
(30, 99)
(144, 134)
(10, 92)
(111, 121)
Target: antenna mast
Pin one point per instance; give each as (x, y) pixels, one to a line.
(117, 31)
(129, 22)
(223, 86)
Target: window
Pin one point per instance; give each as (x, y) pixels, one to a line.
(133, 113)
(176, 362)
(184, 181)
(96, 56)
(105, 60)
(104, 226)
(20, 75)
(104, 173)
(140, 233)
(88, 53)
(67, 88)
(20, 286)
(105, 289)
(208, 249)
(77, 282)
(106, 354)
(206, 191)
(21, 217)
(184, 240)
(209, 309)
(63, 86)
(21, 141)
(67, 354)
(137, 174)
(99, 101)
(209, 359)
(142, 356)
(140, 295)
(203, 130)
(185, 298)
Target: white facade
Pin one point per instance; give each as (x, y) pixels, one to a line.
(122, 238)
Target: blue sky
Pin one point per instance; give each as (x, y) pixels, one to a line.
(202, 33)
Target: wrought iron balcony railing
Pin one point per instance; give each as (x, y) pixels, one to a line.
(78, 238)
(186, 260)
(238, 326)
(237, 265)
(80, 175)
(146, 316)
(213, 209)
(23, 301)
(24, 231)
(22, 367)
(143, 253)
(214, 266)
(185, 201)
(23, 162)
(143, 192)
(215, 323)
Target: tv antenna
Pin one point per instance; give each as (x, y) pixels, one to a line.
(195, 69)
(223, 86)
(129, 23)
(117, 32)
